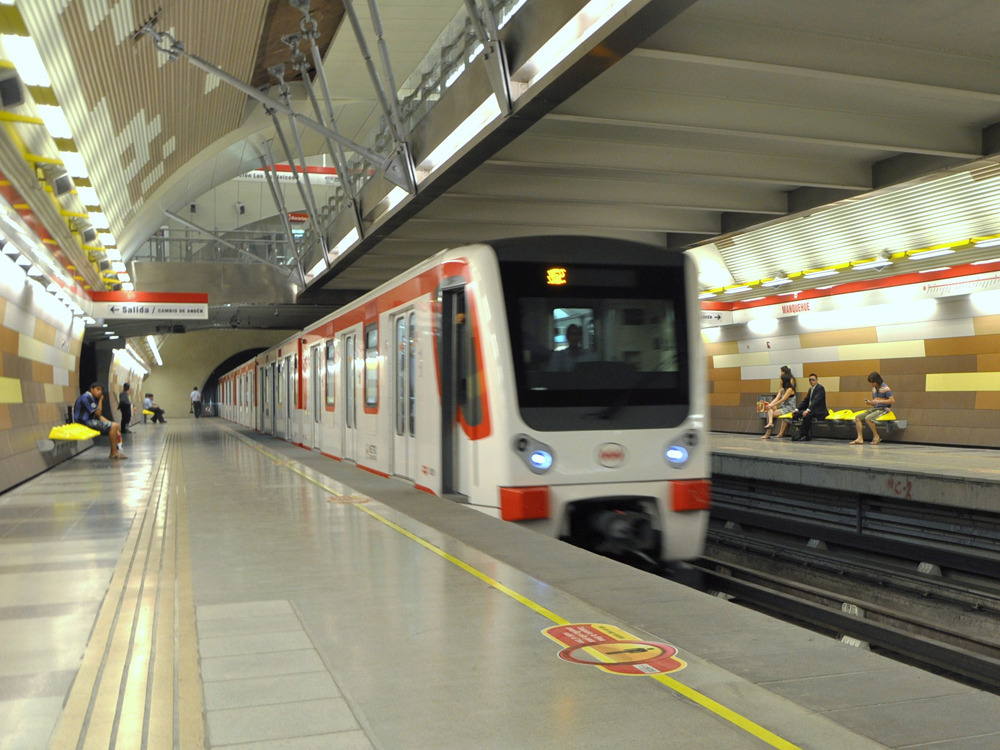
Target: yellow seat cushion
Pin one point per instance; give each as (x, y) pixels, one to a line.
(72, 432)
(147, 412)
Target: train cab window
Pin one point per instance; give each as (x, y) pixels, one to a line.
(371, 365)
(331, 391)
(605, 337)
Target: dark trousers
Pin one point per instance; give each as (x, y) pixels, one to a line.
(806, 426)
(126, 410)
(157, 414)
(197, 409)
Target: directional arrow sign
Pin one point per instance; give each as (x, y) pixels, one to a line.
(150, 306)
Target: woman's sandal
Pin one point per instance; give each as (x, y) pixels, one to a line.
(876, 441)
(767, 433)
(857, 441)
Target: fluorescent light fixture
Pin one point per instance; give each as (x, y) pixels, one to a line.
(22, 261)
(107, 239)
(763, 326)
(986, 302)
(126, 359)
(9, 249)
(349, 239)
(988, 243)
(154, 349)
(112, 338)
(788, 294)
(926, 254)
(711, 334)
(35, 272)
(707, 295)
(395, 197)
(824, 288)
(112, 253)
(24, 54)
(984, 262)
(128, 286)
(74, 164)
(576, 31)
(737, 289)
(317, 269)
(877, 264)
(820, 274)
(474, 124)
(752, 299)
(88, 195)
(55, 121)
(99, 220)
(118, 267)
(454, 76)
(109, 333)
(932, 270)
(124, 277)
(779, 280)
(89, 321)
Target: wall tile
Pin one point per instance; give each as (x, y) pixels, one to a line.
(60, 376)
(986, 324)
(721, 347)
(11, 391)
(8, 341)
(41, 372)
(887, 350)
(840, 369)
(45, 333)
(4, 419)
(839, 338)
(741, 360)
(988, 400)
(723, 399)
(964, 381)
(725, 373)
(927, 329)
(741, 386)
(19, 319)
(925, 365)
(33, 393)
(987, 344)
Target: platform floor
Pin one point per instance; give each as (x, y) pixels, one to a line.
(226, 590)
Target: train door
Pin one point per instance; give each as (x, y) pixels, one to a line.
(404, 449)
(290, 393)
(457, 382)
(349, 375)
(316, 394)
(272, 387)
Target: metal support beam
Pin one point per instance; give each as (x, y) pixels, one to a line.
(383, 49)
(271, 175)
(359, 35)
(226, 243)
(494, 54)
(396, 172)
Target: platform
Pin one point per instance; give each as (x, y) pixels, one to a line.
(934, 474)
(226, 590)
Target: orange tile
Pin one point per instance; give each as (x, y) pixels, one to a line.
(4, 417)
(45, 333)
(722, 347)
(726, 373)
(41, 372)
(986, 325)
(988, 400)
(859, 367)
(723, 399)
(985, 344)
(741, 386)
(8, 340)
(987, 362)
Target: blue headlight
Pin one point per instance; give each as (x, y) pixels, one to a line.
(540, 459)
(677, 454)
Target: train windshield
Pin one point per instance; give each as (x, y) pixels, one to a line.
(593, 342)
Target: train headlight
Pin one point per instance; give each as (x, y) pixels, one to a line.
(676, 455)
(536, 455)
(541, 460)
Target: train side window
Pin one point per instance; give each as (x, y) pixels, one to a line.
(400, 375)
(371, 365)
(331, 391)
(411, 370)
(470, 382)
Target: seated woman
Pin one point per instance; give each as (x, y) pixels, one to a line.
(783, 403)
(879, 404)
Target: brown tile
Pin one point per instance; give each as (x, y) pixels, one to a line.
(723, 399)
(839, 338)
(45, 333)
(5, 423)
(749, 400)
(985, 344)
(22, 415)
(988, 400)
(741, 386)
(987, 362)
(8, 340)
(41, 372)
(726, 373)
(925, 365)
(15, 367)
(32, 393)
(931, 402)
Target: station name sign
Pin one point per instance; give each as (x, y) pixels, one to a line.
(150, 306)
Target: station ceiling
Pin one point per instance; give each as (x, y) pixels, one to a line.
(778, 136)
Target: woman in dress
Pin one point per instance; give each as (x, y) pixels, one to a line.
(783, 403)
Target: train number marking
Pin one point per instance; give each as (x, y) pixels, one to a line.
(613, 650)
(610, 455)
(900, 487)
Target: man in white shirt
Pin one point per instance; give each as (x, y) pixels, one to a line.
(196, 402)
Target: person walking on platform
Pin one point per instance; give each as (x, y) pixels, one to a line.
(813, 406)
(125, 407)
(87, 411)
(196, 402)
(149, 405)
(783, 403)
(880, 402)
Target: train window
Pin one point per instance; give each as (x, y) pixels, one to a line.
(412, 374)
(610, 336)
(331, 391)
(371, 365)
(400, 375)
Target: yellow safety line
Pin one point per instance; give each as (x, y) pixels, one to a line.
(702, 700)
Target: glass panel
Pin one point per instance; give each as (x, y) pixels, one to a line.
(371, 365)
(400, 375)
(412, 378)
(331, 391)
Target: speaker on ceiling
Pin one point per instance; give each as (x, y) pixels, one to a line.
(11, 90)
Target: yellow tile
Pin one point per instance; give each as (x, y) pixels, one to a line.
(721, 347)
(53, 393)
(10, 391)
(886, 350)
(29, 348)
(963, 381)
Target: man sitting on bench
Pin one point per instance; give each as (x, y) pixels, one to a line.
(813, 406)
(87, 411)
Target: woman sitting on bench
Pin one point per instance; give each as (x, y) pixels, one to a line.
(783, 403)
(880, 402)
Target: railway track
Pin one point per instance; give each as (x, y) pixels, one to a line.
(946, 621)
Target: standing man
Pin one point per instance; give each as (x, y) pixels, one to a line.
(813, 406)
(125, 407)
(196, 402)
(87, 411)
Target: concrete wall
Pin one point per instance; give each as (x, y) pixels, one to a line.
(40, 346)
(189, 358)
(939, 354)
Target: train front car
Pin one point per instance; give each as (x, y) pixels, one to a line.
(606, 436)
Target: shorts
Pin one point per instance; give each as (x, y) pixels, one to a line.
(873, 414)
(96, 424)
(786, 408)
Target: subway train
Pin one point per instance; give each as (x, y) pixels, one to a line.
(555, 382)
